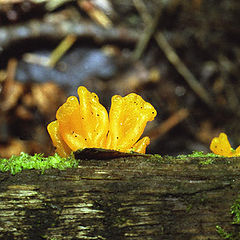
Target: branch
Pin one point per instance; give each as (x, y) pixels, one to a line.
(58, 30)
(173, 58)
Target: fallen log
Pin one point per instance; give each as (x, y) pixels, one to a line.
(123, 198)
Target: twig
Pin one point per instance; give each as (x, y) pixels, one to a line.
(11, 70)
(167, 125)
(11, 90)
(60, 29)
(182, 68)
(36, 59)
(53, 4)
(61, 49)
(96, 14)
(146, 36)
(10, 1)
(140, 6)
(175, 60)
(3, 76)
(232, 98)
(56, 54)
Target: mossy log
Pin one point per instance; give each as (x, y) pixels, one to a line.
(123, 198)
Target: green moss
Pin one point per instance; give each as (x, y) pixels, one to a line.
(24, 161)
(222, 233)
(206, 161)
(200, 154)
(189, 207)
(235, 212)
(156, 157)
(203, 158)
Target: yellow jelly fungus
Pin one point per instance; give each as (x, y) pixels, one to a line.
(221, 146)
(85, 123)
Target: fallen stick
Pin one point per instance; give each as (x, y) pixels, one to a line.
(58, 30)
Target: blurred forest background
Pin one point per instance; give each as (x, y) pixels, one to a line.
(181, 56)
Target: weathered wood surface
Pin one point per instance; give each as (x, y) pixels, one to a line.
(131, 198)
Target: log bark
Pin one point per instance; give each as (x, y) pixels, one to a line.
(124, 198)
